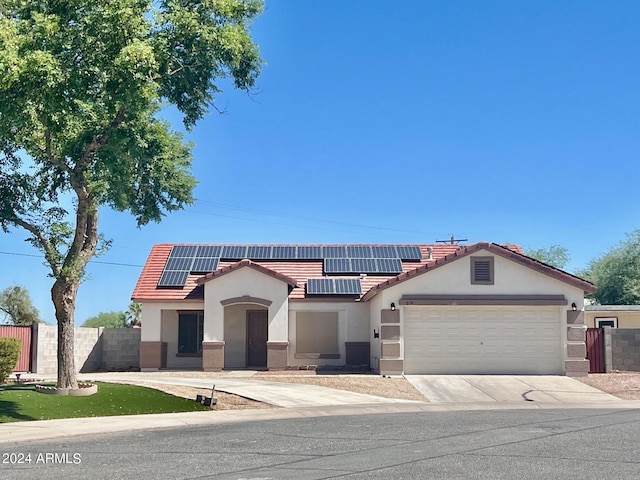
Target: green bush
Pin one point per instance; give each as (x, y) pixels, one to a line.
(9, 355)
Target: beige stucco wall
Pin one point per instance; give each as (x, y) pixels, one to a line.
(375, 307)
(510, 278)
(152, 317)
(235, 334)
(249, 282)
(353, 326)
(625, 319)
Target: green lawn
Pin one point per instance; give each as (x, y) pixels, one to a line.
(22, 402)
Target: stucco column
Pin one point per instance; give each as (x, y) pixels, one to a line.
(212, 356)
(575, 364)
(277, 354)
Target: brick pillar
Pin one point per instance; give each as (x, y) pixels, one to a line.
(153, 356)
(277, 354)
(212, 356)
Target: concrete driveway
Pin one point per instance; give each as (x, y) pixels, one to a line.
(508, 388)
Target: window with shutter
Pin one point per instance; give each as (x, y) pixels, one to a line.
(482, 270)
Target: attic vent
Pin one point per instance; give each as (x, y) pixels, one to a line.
(482, 270)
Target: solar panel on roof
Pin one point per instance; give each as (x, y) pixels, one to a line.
(284, 252)
(409, 252)
(337, 265)
(384, 251)
(310, 252)
(209, 251)
(335, 251)
(331, 286)
(179, 263)
(172, 278)
(316, 286)
(259, 252)
(348, 286)
(359, 251)
(363, 265)
(234, 252)
(183, 251)
(205, 265)
(389, 265)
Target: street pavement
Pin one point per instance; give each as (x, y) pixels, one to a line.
(550, 444)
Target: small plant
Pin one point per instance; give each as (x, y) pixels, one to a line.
(9, 355)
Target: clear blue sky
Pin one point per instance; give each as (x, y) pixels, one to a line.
(406, 122)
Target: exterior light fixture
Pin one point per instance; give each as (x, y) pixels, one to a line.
(573, 306)
(376, 334)
(393, 307)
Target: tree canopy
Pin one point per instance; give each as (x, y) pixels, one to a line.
(81, 85)
(553, 255)
(16, 305)
(617, 273)
(107, 319)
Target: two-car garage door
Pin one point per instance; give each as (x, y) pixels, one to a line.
(482, 340)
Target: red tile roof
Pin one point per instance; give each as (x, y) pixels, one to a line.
(297, 272)
(249, 264)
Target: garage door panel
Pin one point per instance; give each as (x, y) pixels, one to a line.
(482, 340)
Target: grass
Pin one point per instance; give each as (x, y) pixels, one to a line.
(20, 402)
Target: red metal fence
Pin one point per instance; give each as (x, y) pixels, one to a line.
(24, 335)
(595, 349)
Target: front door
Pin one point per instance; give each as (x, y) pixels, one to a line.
(257, 335)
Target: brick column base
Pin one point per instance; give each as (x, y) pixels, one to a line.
(212, 356)
(277, 354)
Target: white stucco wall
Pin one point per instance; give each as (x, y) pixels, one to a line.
(353, 326)
(250, 282)
(375, 307)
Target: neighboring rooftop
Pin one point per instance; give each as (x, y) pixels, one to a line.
(612, 308)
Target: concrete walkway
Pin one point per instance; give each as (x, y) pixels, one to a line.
(286, 395)
(508, 388)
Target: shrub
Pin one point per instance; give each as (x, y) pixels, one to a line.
(9, 355)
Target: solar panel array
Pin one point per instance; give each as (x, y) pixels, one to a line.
(381, 266)
(347, 259)
(334, 286)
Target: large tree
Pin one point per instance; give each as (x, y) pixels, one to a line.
(16, 305)
(617, 273)
(81, 84)
(554, 255)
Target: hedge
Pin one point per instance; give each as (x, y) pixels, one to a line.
(9, 355)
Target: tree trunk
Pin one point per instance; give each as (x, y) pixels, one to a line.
(63, 295)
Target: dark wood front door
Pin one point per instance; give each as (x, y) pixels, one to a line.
(257, 335)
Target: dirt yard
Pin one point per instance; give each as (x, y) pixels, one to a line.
(622, 385)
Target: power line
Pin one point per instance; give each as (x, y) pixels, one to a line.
(15, 254)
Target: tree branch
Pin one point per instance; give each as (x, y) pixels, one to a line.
(50, 252)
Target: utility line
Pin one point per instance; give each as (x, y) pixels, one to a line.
(90, 261)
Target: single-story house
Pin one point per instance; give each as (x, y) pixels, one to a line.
(413, 309)
(616, 316)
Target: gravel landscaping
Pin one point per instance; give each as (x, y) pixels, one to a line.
(625, 385)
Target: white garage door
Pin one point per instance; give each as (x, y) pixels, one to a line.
(482, 340)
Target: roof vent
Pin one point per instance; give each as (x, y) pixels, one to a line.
(430, 250)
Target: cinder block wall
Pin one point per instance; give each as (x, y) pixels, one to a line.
(120, 348)
(625, 349)
(95, 349)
